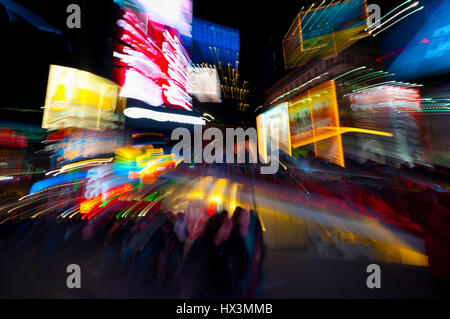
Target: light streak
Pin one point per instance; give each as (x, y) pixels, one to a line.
(399, 20)
(50, 183)
(78, 165)
(298, 87)
(206, 114)
(351, 71)
(138, 113)
(375, 86)
(406, 9)
(89, 205)
(364, 77)
(323, 133)
(320, 16)
(387, 14)
(304, 27)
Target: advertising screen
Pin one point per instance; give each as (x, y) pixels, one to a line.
(270, 122)
(151, 62)
(300, 120)
(214, 43)
(338, 17)
(204, 84)
(314, 118)
(323, 31)
(393, 109)
(419, 47)
(81, 99)
(83, 144)
(176, 14)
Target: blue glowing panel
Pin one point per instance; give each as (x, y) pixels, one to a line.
(342, 16)
(214, 43)
(427, 51)
(17, 13)
(57, 180)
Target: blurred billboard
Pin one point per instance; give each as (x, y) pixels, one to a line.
(204, 84)
(151, 62)
(310, 118)
(324, 31)
(419, 47)
(274, 125)
(176, 14)
(80, 99)
(314, 118)
(394, 109)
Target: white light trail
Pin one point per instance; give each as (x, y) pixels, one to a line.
(139, 113)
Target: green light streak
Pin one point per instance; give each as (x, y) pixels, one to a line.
(351, 71)
(387, 14)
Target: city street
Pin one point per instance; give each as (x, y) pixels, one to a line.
(198, 150)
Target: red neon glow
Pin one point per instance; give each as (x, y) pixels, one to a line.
(88, 206)
(212, 208)
(9, 138)
(153, 65)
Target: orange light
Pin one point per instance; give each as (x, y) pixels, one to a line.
(319, 107)
(89, 205)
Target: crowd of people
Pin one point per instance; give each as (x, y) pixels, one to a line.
(159, 256)
(153, 256)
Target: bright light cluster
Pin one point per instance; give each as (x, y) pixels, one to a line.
(152, 66)
(205, 84)
(80, 99)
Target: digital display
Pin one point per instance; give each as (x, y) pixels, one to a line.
(205, 84)
(80, 99)
(324, 31)
(152, 66)
(314, 118)
(214, 43)
(419, 47)
(269, 123)
(325, 20)
(176, 14)
(389, 108)
(86, 144)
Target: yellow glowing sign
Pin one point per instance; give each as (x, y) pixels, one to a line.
(79, 99)
(314, 119)
(320, 32)
(311, 114)
(274, 125)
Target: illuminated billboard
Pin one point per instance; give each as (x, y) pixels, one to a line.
(314, 118)
(215, 43)
(389, 108)
(300, 121)
(204, 84)
(420, 46)
(269, 123)
(176, 14)
(83, 144)
(320, 32)
(80, 99)
(151, 62)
